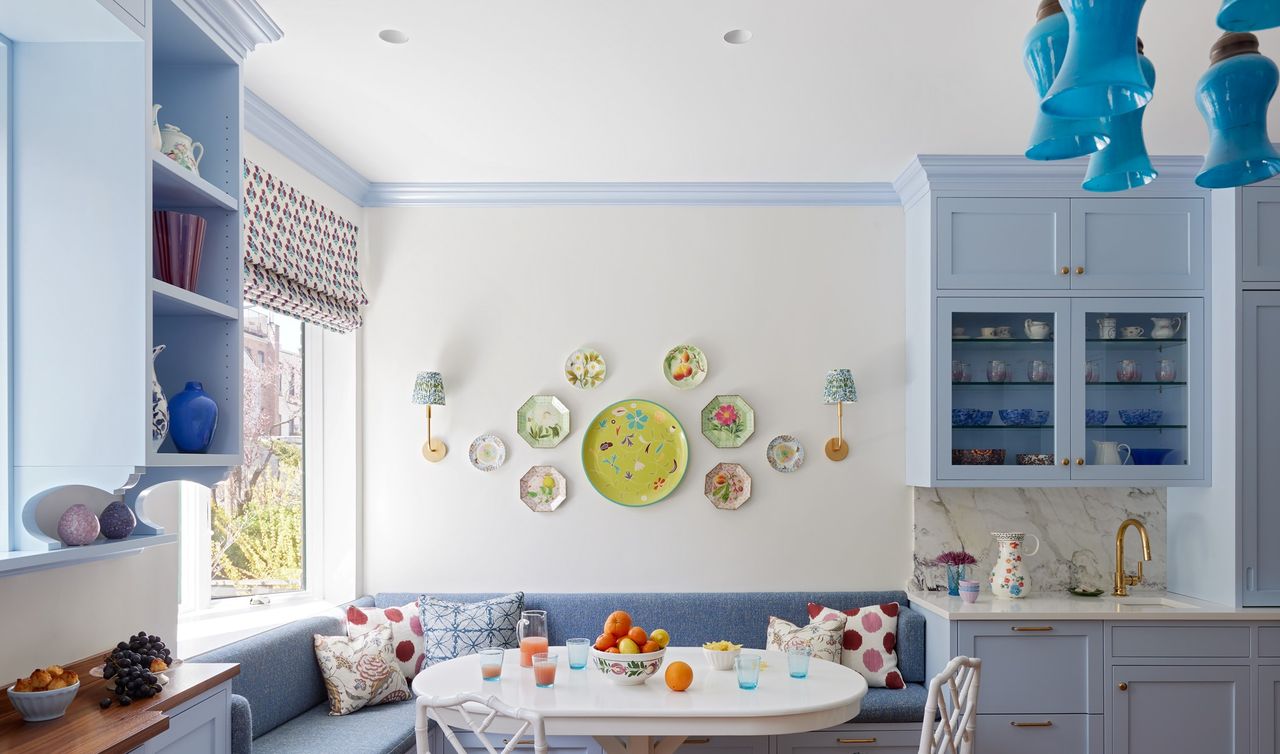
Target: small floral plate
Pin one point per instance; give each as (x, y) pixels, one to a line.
(487, 452)
(542, 488)
(786, 454)
(685, 367)
(585, 368)
(727, 486)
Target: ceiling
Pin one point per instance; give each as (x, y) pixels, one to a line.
(607, 90)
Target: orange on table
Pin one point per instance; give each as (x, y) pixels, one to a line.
(638, 635)
(679, 676)
(606, 640)
(649, 646)
(618, 623)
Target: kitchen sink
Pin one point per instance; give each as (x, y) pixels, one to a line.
(1149, 601)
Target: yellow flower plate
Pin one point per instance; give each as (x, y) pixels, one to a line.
(635, 452)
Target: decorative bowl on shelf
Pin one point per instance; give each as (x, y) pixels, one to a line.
(1149, 456)
(970, 417)
(1023, 417)
(37, 706)
(627, 670)
(1096, 417)
(1141, 417)
(1034, 459)
(977, 457)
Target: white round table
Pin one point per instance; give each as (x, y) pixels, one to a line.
(655, 719)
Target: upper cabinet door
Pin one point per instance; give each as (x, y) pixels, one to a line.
(1003, 244)
(1137, 244)
(1261, 241)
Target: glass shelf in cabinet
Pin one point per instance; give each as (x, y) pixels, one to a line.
(1003, 384)
(1001, 426)
(1135, 341)
(1128, 427)
(1002, 341)
(1178, 383)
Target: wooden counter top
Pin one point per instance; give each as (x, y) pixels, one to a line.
(86, 728)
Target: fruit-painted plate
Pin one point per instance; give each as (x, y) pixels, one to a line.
(786, 454)
(161, 677)
(685, 367)
(585, 368)
(728, 420)
(543, 421)
(727, 486)
(542, 488)
(635, 452)
(488, 452)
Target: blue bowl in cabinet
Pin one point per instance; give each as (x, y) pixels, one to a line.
(1023, 417)
(1096, 417)
(1141, 417)
(970, 417)
(1149, 456)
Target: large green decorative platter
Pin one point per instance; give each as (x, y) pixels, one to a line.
(635, 452)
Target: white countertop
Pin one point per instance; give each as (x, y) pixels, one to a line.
(1156, 606)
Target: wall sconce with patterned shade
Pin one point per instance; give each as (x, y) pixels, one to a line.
(1100, 75)
(428, 390)
(839, 390)
(1042, 53)
(1233, 96)
(1249, 15)
(1124, 164)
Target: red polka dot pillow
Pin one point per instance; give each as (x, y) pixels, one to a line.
(406, 632)
(870, 641)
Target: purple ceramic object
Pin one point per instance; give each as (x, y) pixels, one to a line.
(175, 256)
(117, 521)
(78, 526)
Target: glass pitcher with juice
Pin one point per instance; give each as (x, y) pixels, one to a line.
(532, 631)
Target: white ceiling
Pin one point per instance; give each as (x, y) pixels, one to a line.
(607, 90)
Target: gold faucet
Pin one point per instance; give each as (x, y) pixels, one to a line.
(1124, 581)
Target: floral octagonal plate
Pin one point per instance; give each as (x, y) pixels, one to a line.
(542, 488)
(585, 368)
(786, 454)
(685, 367)
(543, 421)
(487, 452)
(728, 420)
(635, 452)
(727, 486)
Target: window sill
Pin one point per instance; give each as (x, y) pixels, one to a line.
(207, 630)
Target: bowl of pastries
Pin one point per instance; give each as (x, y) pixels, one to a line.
(45, 694)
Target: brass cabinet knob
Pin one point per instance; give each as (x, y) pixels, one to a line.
(1079, 461)
(1065, 270)
(1066, 462)
(1080, 270)
(1123, 686)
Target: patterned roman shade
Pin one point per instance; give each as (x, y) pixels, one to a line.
(299, 256)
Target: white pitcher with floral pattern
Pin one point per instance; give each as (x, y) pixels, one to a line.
(1008, 576)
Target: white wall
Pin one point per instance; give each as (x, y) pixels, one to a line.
(497, 298)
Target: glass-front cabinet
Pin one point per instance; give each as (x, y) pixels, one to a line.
(1056, 390)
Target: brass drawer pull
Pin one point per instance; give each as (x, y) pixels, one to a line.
(1045, 724)
(856, 740)
(1065, 270)
(1123, 686)
(1066, 462)
(696, 741)
(521, 742)
(1079, 461)
(1079, 270)
(1032, 628)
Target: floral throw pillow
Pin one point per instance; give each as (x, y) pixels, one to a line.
(455, 629)
(822, 637)
(870, 641)
(406, 632)
(360, 671)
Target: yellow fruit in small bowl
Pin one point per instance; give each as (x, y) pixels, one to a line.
(721, 654)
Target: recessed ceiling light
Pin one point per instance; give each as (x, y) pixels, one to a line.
(737, 36)
(393, 36)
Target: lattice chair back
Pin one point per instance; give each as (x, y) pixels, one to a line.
(951, 714)
(478, 712)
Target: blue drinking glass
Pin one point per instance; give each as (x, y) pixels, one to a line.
(577, 653)
(798, 661)
(748, 667)
(1056, 138)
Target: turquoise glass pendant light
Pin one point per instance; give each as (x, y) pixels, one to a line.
(1233, 96)
(1124, 164)
(1042, 53)
(1100, 75)
(1249, 15)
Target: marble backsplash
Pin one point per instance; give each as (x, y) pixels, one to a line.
(1076, 527)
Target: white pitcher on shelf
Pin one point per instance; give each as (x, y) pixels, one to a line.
(1107, 453)
(1163, 328)
(180, 148)
(1008, 579)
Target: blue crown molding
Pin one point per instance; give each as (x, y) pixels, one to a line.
(267, 123)
(740, 194)
(241, 24)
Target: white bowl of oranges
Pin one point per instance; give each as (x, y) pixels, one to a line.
(627, 654)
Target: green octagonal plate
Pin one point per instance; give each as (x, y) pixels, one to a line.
(635, 452)
(728, 420)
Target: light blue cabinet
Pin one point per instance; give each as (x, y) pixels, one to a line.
(1040, 734)
(1260, 234)
(201, 726)
(1016, 655)
(1260, 447)
(1003, 243)
(1137, 244)
(1157, 709)
(1268, 707)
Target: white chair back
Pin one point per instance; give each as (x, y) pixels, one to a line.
(478, 713)
(950, 716)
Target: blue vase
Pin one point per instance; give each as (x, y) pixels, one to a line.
(1056, 138)
(955, 574)
(1233, 96)
(193, 417)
